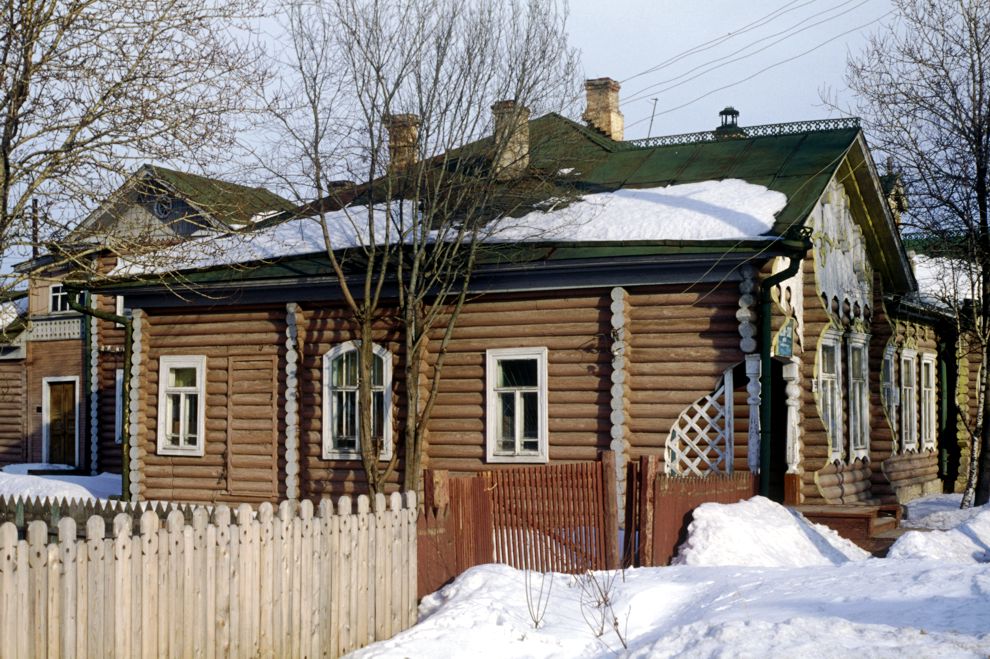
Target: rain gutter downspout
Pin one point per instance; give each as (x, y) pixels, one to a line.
(126, 322)
(766, 404)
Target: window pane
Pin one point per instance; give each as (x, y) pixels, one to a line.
(345, 419)
(173, 405)
(530, 410)
(344, 370)
(828, 359)
(377, 413)
(506, 430)
(182, 377)
(192, 416)
(517, 373)
(856, 354)
(377, 370)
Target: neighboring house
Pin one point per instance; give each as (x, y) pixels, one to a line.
(631, 323)
(71, 365)
(13, 378)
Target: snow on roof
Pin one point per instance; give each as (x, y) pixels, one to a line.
(969, 542)
(712, 210)
(11, 311)
(945, 282)
(761, 533)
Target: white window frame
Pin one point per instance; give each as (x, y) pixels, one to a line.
(329, 451)
(118, 397)
(889, 391)
(927, 402)
(859, 398)
(197, 362)
(58, 292)
(909, 401)
(830, 386)
(492, 358)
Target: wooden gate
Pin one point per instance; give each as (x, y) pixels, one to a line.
(559, 518)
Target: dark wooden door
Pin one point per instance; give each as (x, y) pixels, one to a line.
(62, 423)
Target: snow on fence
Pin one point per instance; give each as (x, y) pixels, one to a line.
(285, 582)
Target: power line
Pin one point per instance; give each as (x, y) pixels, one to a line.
(711, 64)
(765, 69)
(760, 22)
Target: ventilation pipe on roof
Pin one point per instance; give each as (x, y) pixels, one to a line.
(602, 110)
(511, 139)
(403, 139)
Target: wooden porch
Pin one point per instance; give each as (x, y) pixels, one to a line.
(872, 527)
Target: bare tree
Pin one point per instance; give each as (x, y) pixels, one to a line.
(394, 96)
(89, 88)
(924, 89)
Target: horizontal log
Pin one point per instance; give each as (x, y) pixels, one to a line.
(709, 297)
(164, 317)
(584, 311)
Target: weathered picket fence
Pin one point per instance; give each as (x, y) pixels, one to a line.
(288, 582)
(50, 510)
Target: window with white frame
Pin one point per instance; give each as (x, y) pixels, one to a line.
(909, 401)
(859, 417)
(181, 402)
(888, 385)
(829, 391)
(341, 405)
(118, 388)
(58, 299)
(516, 405)
(928, 411)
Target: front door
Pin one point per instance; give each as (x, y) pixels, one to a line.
(62, 423)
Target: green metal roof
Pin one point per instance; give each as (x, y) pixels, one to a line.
(798, 164)
(229, 203)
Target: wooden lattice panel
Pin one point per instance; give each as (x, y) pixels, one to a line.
(700, 443)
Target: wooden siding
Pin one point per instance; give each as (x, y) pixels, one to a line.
(883, 441)
(681, 343)
(47, 359)
(244, 369)
(13, 421)
(575, 328)
(320, 329)
(110, 343)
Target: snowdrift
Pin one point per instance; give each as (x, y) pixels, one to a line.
(969, 542)
(761, 533)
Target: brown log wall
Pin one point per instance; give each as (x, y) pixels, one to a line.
(13, 421)
(321, 329)
(244, 457)
(110, 342)
(54, 359)
(681, 343)
(575, 328)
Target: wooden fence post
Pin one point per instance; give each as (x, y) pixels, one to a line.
(610, 493)
(647, 508)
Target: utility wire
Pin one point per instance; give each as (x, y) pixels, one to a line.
(760, 22)
(711, 65)
(765, 69)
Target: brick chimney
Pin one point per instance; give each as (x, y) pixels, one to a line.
(602, 112)
(403, 136)
(511, 139)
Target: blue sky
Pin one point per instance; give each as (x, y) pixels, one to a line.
(623, 38)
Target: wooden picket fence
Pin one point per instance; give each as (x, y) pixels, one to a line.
(288, 582)
(51, 510)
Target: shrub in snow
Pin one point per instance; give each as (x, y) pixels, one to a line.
(967, 543)
(761, 533)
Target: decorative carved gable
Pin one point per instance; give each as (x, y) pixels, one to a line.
(842, 268)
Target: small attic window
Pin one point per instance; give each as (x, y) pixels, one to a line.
(162, 207)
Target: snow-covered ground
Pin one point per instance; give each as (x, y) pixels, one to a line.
(754, 580)
(14, 482)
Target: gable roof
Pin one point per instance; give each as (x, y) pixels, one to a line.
(227, 205)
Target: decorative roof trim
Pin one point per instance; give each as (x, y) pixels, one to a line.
(766, 130)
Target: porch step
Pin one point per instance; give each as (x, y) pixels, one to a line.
(872, 527)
